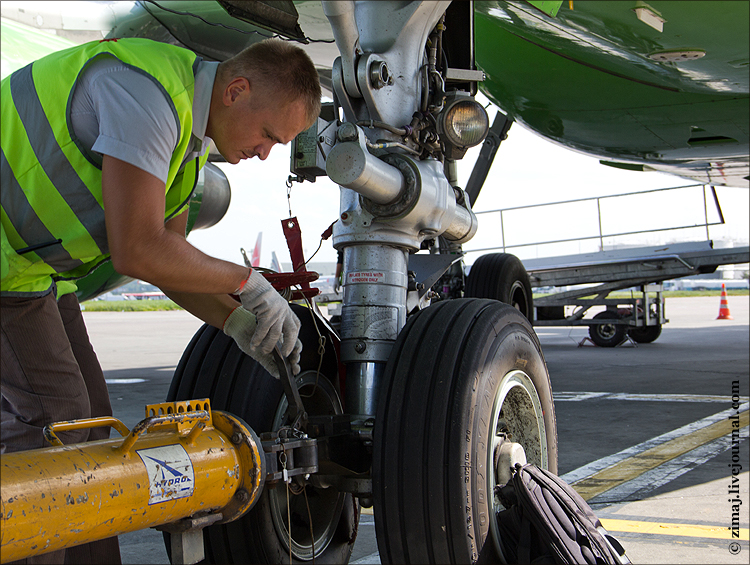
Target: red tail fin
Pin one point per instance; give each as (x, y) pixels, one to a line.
(255, 257)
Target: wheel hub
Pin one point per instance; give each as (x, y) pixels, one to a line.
(508, 454)
(607, 331)
(518, 298)
(313, 511)
(518, 426)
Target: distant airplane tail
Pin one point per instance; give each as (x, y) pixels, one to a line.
(275, 265)
(255, 257)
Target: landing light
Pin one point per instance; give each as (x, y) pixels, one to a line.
(463, 123)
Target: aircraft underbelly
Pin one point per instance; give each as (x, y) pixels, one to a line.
(591, 78)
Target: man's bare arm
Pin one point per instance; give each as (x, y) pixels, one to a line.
(141, 245)
(211, 308)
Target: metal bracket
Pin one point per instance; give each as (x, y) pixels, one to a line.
(498, 133)
(626, 339)
(300, 457)
(186, 539)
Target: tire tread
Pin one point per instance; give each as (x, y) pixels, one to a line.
(415, 521)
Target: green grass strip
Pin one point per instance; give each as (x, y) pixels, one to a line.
(128, 305)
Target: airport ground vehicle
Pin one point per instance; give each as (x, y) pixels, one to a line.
(593, 277)
(417, 413)
(570, 285)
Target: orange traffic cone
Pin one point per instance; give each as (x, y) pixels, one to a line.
(724, 307)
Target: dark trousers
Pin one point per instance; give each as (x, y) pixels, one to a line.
(49, 373)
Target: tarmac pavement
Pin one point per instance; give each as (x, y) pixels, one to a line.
(644, 431)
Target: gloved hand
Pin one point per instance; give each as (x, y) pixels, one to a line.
(240, 325)
(276, 321)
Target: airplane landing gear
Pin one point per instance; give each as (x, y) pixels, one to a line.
(503, 277)
(466, 377)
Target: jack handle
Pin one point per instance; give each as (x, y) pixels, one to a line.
(82, 424)
(203, 417)
(131, 436)
(290, 389)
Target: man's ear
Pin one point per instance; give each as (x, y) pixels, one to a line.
(236, 88)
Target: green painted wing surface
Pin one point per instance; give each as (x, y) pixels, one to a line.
(598, 79)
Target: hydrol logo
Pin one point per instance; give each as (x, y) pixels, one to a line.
(170, 472)
(176, 478)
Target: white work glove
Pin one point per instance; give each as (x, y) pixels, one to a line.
(240, 325)
(277, 324)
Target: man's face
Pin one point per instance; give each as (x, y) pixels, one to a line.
(251, 124)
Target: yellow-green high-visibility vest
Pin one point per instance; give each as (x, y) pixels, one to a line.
(52, 220)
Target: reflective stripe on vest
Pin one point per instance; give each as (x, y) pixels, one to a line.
(28, 225)
(56, 166)
(51, 197)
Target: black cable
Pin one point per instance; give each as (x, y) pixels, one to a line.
(316, 252)
(306, 39)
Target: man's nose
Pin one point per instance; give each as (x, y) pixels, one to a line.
(264, 151)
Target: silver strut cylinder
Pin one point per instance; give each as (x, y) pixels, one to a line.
(390, 202)
(377, 230)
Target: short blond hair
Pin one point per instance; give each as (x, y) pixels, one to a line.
(280, 69)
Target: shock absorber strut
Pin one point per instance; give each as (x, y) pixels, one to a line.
(181, 468)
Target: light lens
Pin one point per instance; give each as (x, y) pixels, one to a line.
(466, 123)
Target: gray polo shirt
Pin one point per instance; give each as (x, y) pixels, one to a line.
(119, 112)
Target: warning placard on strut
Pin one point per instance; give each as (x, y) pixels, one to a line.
(365, 277)
(170, 472)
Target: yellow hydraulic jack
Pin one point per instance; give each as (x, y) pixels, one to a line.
(182, 468)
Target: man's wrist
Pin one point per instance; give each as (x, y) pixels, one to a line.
(244, 282)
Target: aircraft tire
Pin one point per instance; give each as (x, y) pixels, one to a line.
(503, 277)
(213, 367)
(607, 335)
(646, 334)
(460, 371)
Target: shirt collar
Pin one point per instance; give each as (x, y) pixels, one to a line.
(204, 84)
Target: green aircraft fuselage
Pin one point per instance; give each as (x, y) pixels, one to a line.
(594, 77)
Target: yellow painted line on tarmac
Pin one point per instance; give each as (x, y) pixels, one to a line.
(671, 529)
(661, 528)
(636, 465)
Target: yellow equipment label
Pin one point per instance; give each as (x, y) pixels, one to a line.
(170, 472)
